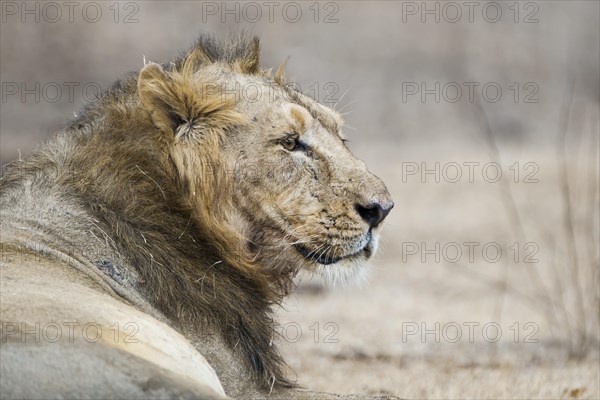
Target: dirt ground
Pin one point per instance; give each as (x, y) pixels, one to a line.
(380, 336)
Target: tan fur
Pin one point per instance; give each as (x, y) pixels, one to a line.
(182, 198)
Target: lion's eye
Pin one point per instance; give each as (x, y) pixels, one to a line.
(291, 143)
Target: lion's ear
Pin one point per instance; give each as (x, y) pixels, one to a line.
(176, 102)
(158, 96)
(182, 105)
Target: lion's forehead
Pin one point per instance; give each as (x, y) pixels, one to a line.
(257, 95)
(328, 118)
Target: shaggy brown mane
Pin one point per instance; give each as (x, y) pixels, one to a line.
(141, 186)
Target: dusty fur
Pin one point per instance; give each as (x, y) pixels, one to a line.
(155, 164)
(130, 174)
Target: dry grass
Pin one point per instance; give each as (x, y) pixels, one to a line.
(371, 355)
(570, 299)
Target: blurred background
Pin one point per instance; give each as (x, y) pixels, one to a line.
(481, 117)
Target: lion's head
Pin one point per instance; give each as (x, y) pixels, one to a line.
(264, 166)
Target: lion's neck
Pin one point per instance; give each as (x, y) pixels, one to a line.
(130, 187)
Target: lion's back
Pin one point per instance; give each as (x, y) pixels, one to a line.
(63, 336)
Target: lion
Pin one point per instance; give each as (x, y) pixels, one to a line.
(145, 246)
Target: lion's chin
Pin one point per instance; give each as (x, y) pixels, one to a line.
(325, 259)
(343, 271)
(366, 250)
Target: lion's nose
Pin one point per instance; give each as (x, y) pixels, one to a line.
(375, 212)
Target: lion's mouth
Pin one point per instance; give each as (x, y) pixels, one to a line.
(322, 257)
